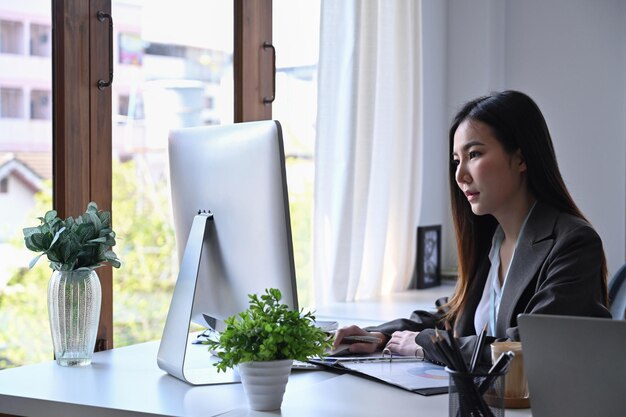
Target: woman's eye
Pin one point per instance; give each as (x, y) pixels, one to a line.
(455, 162)
(473, 154)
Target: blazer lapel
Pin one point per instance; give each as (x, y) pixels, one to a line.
(465, 322)
(532, 249)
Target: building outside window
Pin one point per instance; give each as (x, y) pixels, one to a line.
(25, 176)
(11, 103)
(11, 37)
(131, 49)
(40, 105)
(296, 38)
(169, 63)
(40, 40)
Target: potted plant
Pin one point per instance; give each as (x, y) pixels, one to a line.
(75, 247)
(263, 341)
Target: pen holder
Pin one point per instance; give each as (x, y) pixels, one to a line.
(476, 394)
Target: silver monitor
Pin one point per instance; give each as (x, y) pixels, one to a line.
(239, 243)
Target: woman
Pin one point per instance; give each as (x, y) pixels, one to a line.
(523, 245)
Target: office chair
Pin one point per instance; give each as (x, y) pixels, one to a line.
(617, 294)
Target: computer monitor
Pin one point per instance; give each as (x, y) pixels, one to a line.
(233, 233)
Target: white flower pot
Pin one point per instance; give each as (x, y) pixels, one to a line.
(264, 383)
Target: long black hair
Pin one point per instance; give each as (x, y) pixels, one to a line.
(518, 124)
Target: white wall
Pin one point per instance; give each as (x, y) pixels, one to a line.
(570, 56)
(435, 206)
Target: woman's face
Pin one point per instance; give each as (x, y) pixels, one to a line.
(491, 179)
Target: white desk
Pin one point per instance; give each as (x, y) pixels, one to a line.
(127, 382)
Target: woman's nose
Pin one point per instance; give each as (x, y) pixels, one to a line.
(462, 175)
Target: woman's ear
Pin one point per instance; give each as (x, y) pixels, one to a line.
(519, 161)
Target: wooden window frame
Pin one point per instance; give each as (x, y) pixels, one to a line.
(253, 64)
(81, 124)
(82, 113)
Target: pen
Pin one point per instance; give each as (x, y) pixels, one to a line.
(460, 362)
(361, 339)
(502, 363)
(499, 367)
(478, 348)
(444, 349)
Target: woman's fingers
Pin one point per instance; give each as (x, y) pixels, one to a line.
(403, 343)
(347, 331)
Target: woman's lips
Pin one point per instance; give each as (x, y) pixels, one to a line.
(471, 195)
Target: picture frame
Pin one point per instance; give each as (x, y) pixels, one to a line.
(428, 259)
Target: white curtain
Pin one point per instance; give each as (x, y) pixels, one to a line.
(367, 170)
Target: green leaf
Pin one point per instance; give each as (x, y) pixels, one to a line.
(276, 294)
(53, 256)
(81, 242)
(30, 244)
(85, 232)
(56, 237)
(34, 261)
(30, 230)
(39, 241)
(49, 216)
(269, 330)
(115, 263)
(95, 220)
(66, 251)
(70, 223)
(105, 218)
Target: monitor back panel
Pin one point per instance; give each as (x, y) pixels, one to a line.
(237, 172)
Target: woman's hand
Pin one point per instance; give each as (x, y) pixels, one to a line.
(403, 343)
(359, 347)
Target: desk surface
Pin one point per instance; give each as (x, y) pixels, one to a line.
(127, 382)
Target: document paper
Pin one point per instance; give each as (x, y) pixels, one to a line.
(410, 375)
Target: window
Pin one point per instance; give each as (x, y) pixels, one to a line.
(170, 75)
(122, 105)
(40, 105)
(130, 106)
(296, 37)
(40, 40)
(130, 49)
(11, 37)
(25, 177)
(83, 170)
(11, 103)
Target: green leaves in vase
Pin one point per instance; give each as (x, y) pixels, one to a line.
(74, 243)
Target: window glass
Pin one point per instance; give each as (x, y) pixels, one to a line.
(25, 177)
(11, 103)
(173, 68)
(41, 104)
(11, 37)
(296, 38)
(40, 40)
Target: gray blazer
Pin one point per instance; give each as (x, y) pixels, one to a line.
(556, 270)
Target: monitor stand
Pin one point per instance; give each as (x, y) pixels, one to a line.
(177, 356)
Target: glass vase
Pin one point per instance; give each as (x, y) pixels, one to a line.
(74, 299)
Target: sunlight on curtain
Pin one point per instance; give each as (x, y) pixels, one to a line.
(367, 148)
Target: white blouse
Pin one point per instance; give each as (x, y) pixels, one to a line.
(487, 310)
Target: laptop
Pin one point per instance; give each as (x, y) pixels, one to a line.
(575, 366)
